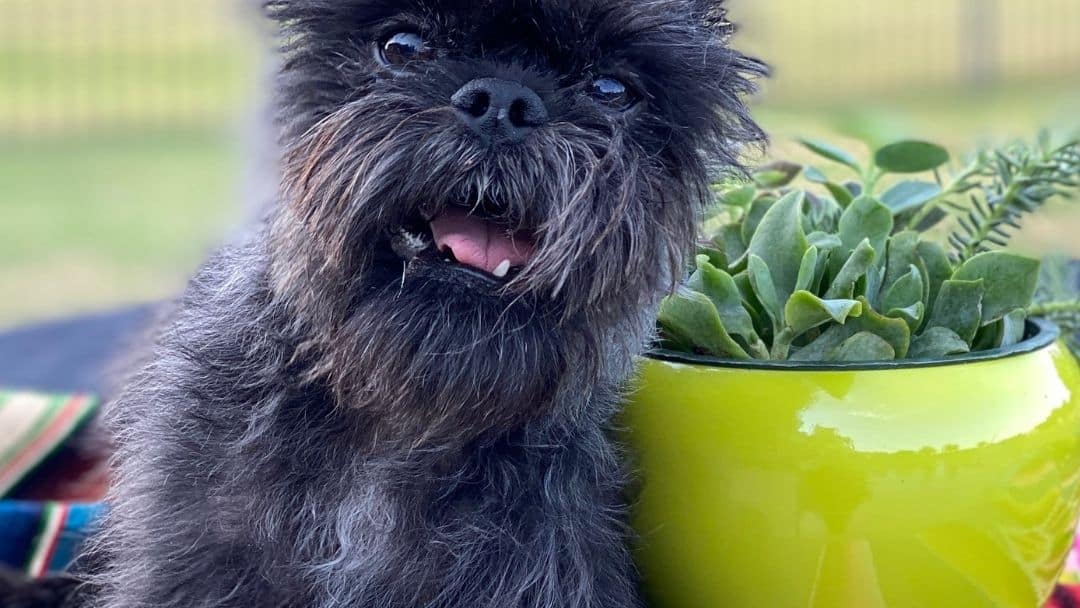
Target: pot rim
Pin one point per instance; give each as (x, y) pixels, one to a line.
(1041, 335)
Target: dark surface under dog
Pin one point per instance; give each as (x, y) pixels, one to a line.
(73, 355)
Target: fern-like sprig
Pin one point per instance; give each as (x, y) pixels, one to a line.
(1058, 297)
(1008, 184)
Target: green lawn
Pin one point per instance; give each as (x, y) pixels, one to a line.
(92, 222)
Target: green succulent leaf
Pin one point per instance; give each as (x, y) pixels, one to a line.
(1013, 327)
(754, 216)
(840, 194)
(937, 343)
(814, 175)
(824, 241)
(912, 315)
(765, 290)
(906, 291)
(753, 305)
(938, 268)
(820, 273)
(866, 218)
(721, 289)
(858, 264)
(823, 346)
(739, 197)
(909, 195)
(1009, 280)
(895, 332)
(822, 214)
(715, 256)
(864, 347)
(780, 243)
(690, 317)
(1007, 331)
(902, 254)
(808, 269)
(959, 307)
(770, 179)
(911, 157)
(805, 311)
(730, 240)
(831, 152)
(777, 174)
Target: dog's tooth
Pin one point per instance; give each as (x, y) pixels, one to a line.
(414, 241)
(502, 269)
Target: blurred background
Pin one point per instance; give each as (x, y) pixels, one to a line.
(124, 123)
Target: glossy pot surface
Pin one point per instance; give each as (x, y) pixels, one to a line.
(947, 484)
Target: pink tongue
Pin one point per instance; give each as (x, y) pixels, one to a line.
(478, 243)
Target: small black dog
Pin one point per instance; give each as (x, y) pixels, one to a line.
(398, 393)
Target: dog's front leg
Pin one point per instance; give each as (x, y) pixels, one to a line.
(542, 527)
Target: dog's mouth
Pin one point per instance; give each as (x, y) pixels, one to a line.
(465, 238)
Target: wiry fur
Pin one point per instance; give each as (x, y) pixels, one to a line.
(321, 426)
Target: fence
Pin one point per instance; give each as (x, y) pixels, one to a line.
(824, 50)
(82, 64)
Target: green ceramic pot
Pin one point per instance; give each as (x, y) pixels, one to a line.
(950, 483)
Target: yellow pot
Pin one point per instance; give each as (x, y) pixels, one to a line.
(952, 484)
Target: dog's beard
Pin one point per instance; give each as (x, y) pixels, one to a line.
(571, 235)
(442, 358)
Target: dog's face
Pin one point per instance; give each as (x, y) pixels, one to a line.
(478, 192)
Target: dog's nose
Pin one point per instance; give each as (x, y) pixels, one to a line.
(500, 111)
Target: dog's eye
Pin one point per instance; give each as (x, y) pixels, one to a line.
(402, 48)
(613, 93)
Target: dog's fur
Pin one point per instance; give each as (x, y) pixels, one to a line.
(323, 425)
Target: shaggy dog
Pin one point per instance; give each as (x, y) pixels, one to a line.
(399, 392)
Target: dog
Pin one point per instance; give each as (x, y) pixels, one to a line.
(400, 391)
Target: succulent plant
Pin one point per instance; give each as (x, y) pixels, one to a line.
(796, 266)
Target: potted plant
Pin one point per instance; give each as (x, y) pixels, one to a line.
(843, 412)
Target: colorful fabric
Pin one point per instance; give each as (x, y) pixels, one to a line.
(1065, 596)
(1068, 592)
(39, 537)
(34, 426)
(42, 538)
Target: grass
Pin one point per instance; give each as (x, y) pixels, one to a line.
(93, 222)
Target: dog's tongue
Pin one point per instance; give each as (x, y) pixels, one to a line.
(479, 243)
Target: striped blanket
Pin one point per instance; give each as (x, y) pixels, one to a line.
(42, 537)
(34, 427)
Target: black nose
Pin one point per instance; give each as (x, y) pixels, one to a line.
(500, 111)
